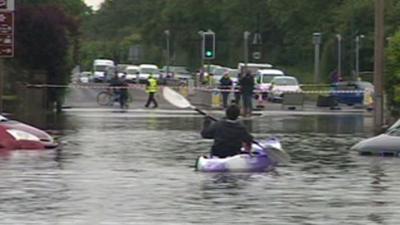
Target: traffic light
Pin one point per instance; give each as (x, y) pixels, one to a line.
(208, 45)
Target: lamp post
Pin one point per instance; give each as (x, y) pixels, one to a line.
(167, 34)
(316, 42)
(339, 54)
(246, 35)
(358, 38)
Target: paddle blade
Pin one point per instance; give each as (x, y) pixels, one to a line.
(274, 150)
(175, 98)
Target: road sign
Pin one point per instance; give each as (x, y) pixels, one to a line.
(6, 34)
(256, 55)
(7, 5)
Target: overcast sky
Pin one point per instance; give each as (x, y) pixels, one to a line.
(94, 3)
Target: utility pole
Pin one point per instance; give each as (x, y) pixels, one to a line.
(339, 54)
(316, 42)
(167, 34)
(358, 39)
(379, 64)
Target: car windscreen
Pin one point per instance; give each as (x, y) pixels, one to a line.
(365, 85)
(267, 78)
(180, 70)
(346, 87)
(149, 70)
(132, 71)
(285, 82)
(219, 71)
(100, 68)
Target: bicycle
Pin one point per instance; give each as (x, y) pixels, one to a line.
(109, 97)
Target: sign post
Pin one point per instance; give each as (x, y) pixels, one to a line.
(7, 8)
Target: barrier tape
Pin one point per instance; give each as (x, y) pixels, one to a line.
(206, 89)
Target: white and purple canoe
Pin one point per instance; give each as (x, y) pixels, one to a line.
(259, 161)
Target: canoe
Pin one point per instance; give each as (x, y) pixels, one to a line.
(258, 161)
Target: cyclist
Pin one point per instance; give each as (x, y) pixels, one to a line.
(119, 88)
(123, 92)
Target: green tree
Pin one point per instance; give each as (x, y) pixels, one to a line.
(392, 81)
(46, 37)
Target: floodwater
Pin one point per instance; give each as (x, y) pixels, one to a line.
(129, 168)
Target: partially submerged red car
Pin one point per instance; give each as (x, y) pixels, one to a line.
(16, 135)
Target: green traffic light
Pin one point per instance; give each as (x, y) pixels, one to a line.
(209, 53)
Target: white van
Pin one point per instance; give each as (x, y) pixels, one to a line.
(145, 70)
(264, 77)
(253, 67)
(132, 73)
(103, 70)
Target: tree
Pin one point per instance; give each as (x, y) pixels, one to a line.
(45, 36)
(392, 81)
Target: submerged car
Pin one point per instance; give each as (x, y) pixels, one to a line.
(16, 135)
(386, 144)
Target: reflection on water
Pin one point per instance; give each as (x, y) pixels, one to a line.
(123, 168)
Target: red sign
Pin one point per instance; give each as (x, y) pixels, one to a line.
(6, 33)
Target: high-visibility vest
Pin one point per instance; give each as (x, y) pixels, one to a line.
(152, 86)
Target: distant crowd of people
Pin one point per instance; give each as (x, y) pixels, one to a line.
(119, 86)
(242, 91)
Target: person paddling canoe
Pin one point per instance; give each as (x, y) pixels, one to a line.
(229, 134)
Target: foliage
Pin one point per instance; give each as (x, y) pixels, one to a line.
(286, 27)
(46, 40)
(393, 74)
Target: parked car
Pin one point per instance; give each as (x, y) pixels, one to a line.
(350, 92)
(263, 80)
(85, 77)
(281, 85)
(176, 72)
(386, 144)
(132, 73)
(16, 135)
(145, 70)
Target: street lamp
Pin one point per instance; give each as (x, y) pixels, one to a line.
(246, 35)
(358, 38)
(316, 42)
(339, 54)
(167, 34)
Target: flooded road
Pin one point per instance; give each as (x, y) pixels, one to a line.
(130, 168)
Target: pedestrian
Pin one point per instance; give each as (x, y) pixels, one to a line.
(123, 92)
(115, 86)
(225, 85)
(247, 88)
(229, 134)
(237, 89)
(151, 89)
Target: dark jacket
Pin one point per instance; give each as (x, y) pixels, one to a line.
(115, 83)
(228, 136)
(225, 83)
(247, 85)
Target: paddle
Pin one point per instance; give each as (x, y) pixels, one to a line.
(274, 151)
